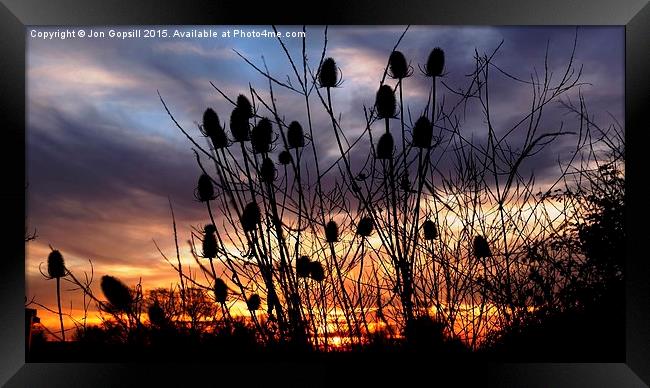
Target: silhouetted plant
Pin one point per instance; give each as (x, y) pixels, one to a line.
(385, 102)
(422, 133)
(262, 136)
(435, 63)
(118, 294)
(205, 189)
(56, 270)
(332, 232)
(267, 171)
(425, 333)
(212, 129)
(385, 146)
(251, 217)
(295, 135)
(239, 125)
(254, 302)
(474, 184)
(481, 247)
(303, 266)
(365, 226)
(399, 68)
(55, 265)
(209, 242)
(284, 158)
(245, 106)
(429, 230)
(220, 290)
(316, 271)
(328, 74)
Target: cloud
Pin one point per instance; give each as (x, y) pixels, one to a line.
(184, 48)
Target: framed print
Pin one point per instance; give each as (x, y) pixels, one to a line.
(245, 194)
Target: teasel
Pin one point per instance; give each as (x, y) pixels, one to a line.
(253, 302)
(332, 232)
(55, 265)
(385, 102)
(481, 247)
(429, 230)
(295, 135)
(220, 291)
(250, 217)
(303, 265)
(117, 293)
(262, 136)
(328, 74)
(422, 133)
(267, 171)
(204, 190)
(385, 146)
(212, 129)
(316, 271)
(435, 63)
(245, 106)
(156, 314)
(284, 157)
(398, 67)
(56, 270)
(239, 126)
(365, 226)
(209, 242)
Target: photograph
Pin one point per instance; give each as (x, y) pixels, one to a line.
(247, 192)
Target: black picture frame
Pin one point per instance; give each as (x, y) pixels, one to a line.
(16, 14)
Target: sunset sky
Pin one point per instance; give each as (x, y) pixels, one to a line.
(103, 157)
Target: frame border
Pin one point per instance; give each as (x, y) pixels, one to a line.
(15, 15)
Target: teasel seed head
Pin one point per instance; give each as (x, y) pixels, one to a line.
(254, 302)
(220, 290)
(262, 136)
(398, 66)
(385, 146)
(204, 189)
(481, 247)
(212, 128)
(365, 226)
(422, 133)
(239, 126)
(245, 106)
(430, 230)
(435, 63)
(332, 232)
(328, 74)
(284, 158)
(209, 242)
(303, 266)
(295, 135)
(117, 293)
(316, 271)
(55, 265)
(267, 171)
(251, 217)
(385, 102)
